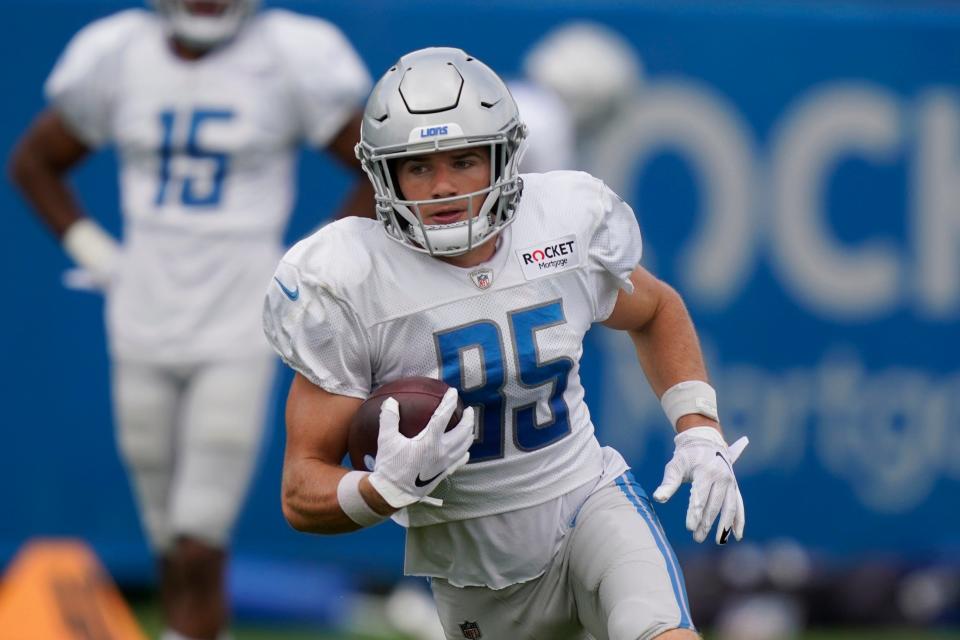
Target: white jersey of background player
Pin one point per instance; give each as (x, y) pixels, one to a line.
(488, 280)
(550, 128)
(206, 102)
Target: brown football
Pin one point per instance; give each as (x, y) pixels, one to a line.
(418, 398)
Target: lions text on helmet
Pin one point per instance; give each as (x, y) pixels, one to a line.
(204, 24)
(442, 117)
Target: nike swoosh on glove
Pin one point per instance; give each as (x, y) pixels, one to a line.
(408, 469)
(702, 457)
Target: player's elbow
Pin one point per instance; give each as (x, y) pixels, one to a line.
(308, 515)
(30, 168)
(295, 517)
(298, 517)
(670, 298)
(20, 166)
(293, 507)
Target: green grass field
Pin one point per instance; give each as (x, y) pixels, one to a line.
(279, 634)
(149, 616)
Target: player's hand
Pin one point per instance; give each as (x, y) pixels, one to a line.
(93, 250)
(703, 458)
(408, 469)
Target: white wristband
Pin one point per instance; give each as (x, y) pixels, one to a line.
(90, 246)
(353, 504)
(691, 396)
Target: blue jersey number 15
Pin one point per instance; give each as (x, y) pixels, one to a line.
(489, 398)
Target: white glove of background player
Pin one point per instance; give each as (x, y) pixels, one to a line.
(408, 469)
(703, 458)
(93, 250)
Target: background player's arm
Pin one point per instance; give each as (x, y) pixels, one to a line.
(360, 200)
(317, 427)
(666, 342)
(39, 165)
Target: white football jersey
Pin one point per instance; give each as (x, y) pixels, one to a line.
(351, 309)
(207, 150)
(550, 132)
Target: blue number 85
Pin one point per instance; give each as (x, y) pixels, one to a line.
(488, 397)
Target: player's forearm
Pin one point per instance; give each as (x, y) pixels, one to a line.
(310, 500)
(39, 165)
(45, 187)
(667, 345)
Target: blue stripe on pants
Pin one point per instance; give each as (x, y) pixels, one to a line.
(653, 516)
(635, 494)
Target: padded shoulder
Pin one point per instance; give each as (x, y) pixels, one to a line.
(83, 82)
(338, 257)
(296, 34)
(574, 200)
(326, 75)
(104, 38)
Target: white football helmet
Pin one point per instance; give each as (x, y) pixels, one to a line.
(591, 67)
(439, 99)
(204, 23)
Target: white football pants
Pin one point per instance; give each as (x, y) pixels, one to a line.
(615, 577)
(190, 436)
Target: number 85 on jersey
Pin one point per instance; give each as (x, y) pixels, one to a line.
(490, 397)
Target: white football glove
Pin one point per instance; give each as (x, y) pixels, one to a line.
(703, 458)
(408, 469)
(94, 250)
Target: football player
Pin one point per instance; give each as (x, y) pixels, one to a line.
(550, 141)
(206, 102)
(593, 69)
(488, 280)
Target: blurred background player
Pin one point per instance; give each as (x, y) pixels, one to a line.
(550, 137)
(206, 102)
(544, 533)
(578, 79)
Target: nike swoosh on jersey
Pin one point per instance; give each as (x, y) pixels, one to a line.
(422, 483)
(293, 294)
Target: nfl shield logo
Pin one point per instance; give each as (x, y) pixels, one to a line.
(482, 278)
(471, 630)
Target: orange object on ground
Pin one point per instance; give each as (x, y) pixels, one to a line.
(58, 590)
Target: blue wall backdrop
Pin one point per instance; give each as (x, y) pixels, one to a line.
(796, 171)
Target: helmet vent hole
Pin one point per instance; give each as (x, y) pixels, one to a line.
(488, 105)
(382, 118)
